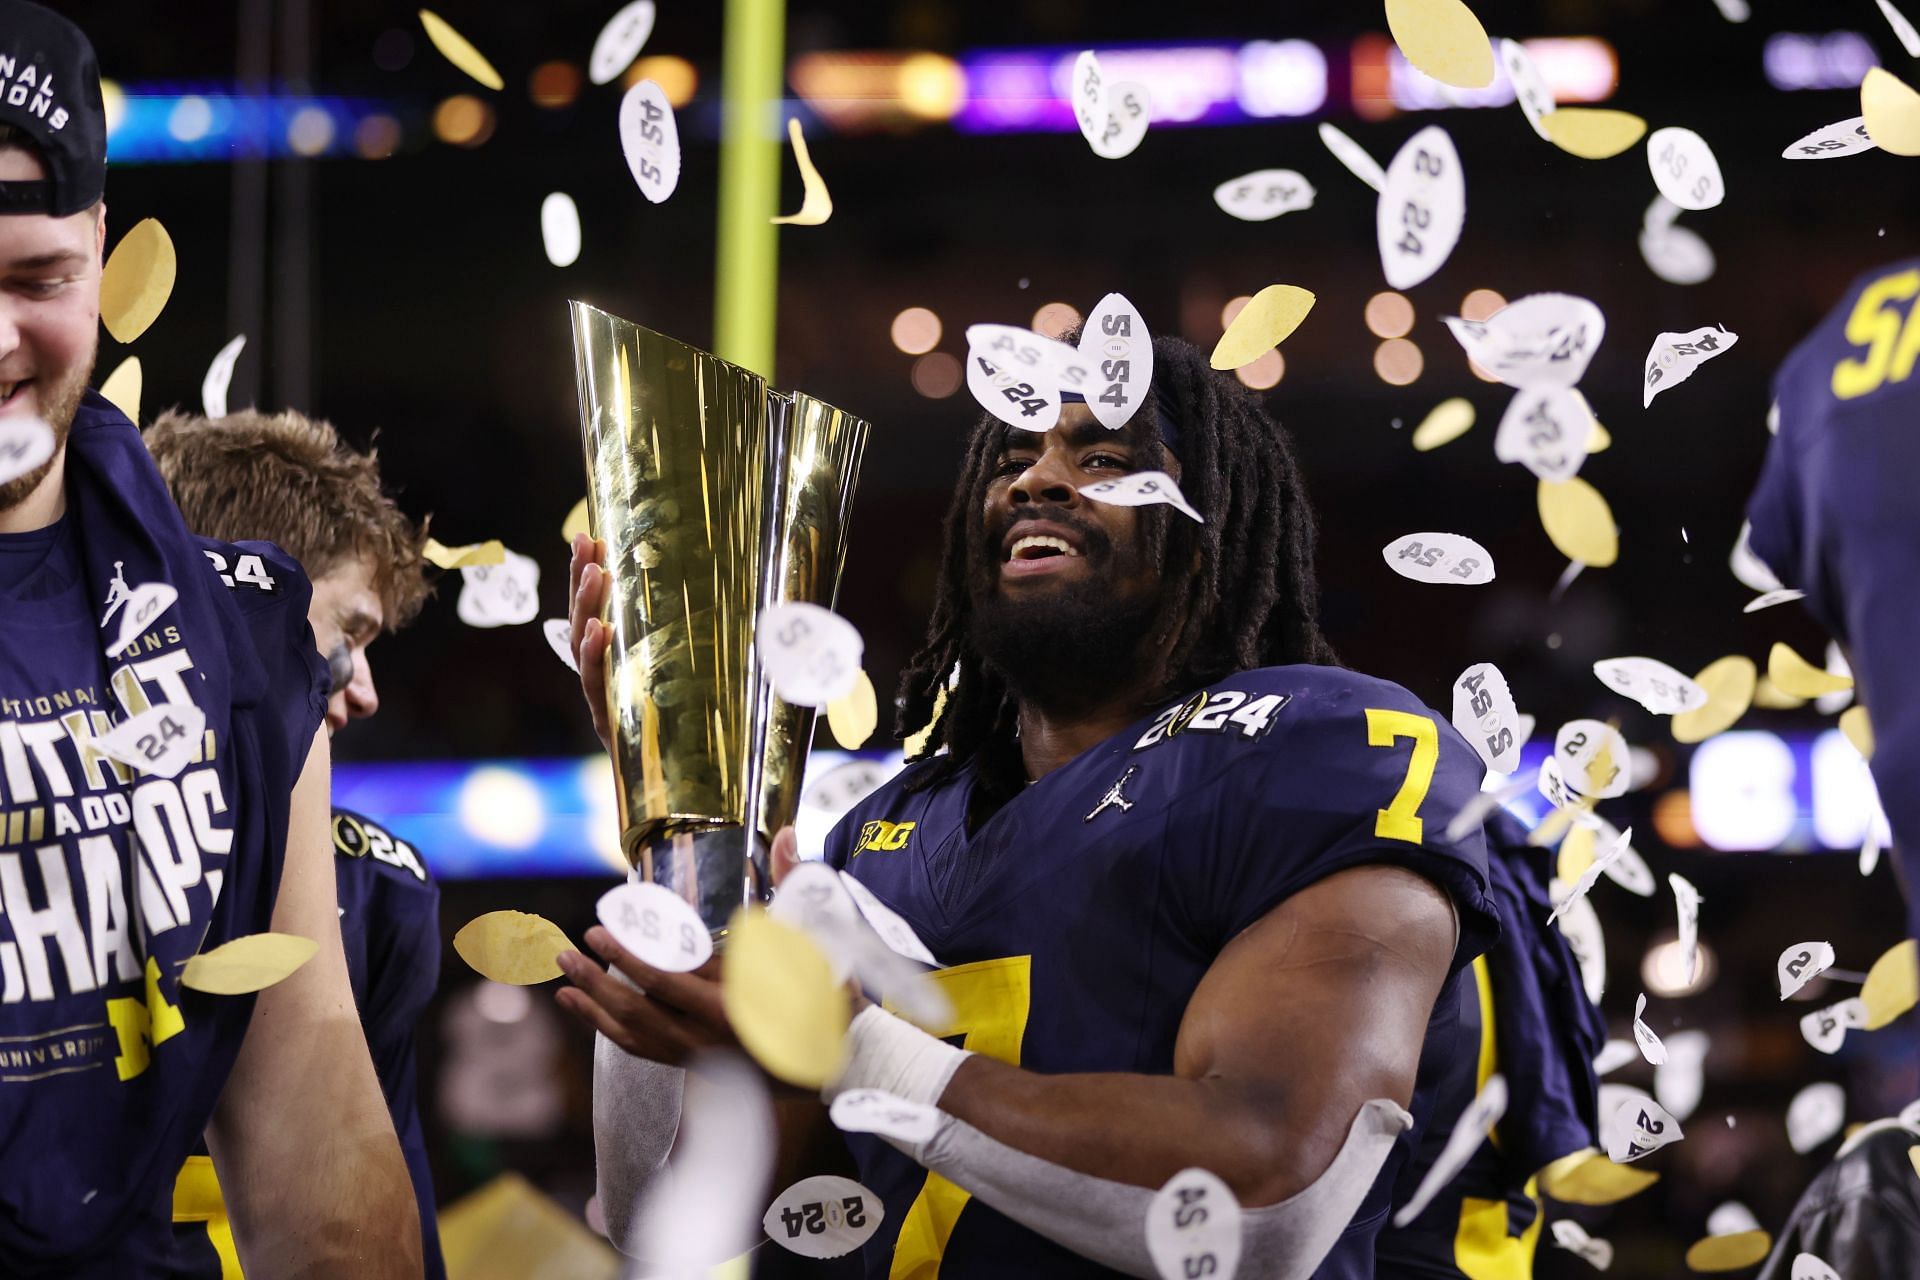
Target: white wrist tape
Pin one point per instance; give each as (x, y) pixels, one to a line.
(891, 1054)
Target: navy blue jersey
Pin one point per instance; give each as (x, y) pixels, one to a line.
(1080, 917)
(390, 925)
(110, 879)
(1527, 1016)
(1833, 514)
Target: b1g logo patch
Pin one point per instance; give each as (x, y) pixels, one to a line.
(1221, 711)
(886, 836)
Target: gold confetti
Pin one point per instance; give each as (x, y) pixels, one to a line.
(1892, 111)
(1551, 828)
(492, 551)
(779, 993)
(853, 717)
(1795, 676)
(138, 280)
(248, 964)
(1579, 522)
(1858, 728)
(1729, 1252)
(456, 48)
(513, 947)
(817, 206)
(1913, 1158)
(1767, 694)
(122, 387)
(1576, 854)
(1593, 133)
(1600, 439)
(1444, 423)
(1262, 325)
(1729, 684)
(579, 520)
(1443, 39)
(917, 741)
(1588, 1177)
(1893, 984)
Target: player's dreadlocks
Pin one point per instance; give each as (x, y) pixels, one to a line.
(1248, 599)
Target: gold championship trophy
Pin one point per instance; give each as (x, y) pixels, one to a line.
(717, 499)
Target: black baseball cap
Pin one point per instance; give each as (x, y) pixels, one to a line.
(50, 91)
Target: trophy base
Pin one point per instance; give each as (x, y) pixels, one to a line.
(716, 869)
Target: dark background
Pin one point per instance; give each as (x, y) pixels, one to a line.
(438, 322)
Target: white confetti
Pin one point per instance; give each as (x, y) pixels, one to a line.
(1684, 168)
(1749, 568)
(1546, 429)
(1731, 1218)
(825, 1216)
(500, 595)
(1909, 38)
(1674, 357)
(650, 140)
(1733, 10)
(1879, 836)
(1193, 1227)
(888, 923)
(1354, 157)
(1474, 812)
(1591, 876)
(1579, 746)
(161, 740)
(815, 898)
(1129, 108)
(1422, 208)
(1030, 403)
(1638, 1128)
(1815, 1114)
(1614, 1055)
(1826, 1028)
(1807, 1266)
(213, 387)
(1679, 1081)
(137, 612)
(1264, 194)
(811, 655)
(560, 229)
(1469, 1131)
(877, 1111)
(1484, 713)
(1686, 901)
(1116, 339)
(1650, 1047)
(1580, 926)
(1089, 96)
(840, 788)
(1844, 138)
(25, 443)
(1142, 489)
(1651, 683)
(1541, 340)
(1772, 598)
(1831, 704)
(1553, 784)
(620, 41)
(1529, 86)
(1801, 963)
(1571, 1236)
(1677, 255)
(657, 925)
(699, 1210)
(1449, 558)
(559, 633)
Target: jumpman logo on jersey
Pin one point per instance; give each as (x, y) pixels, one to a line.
(117, 592)
(1113, 797)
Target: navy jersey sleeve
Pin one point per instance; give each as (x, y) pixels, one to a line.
(272, 592)
(1353, 771)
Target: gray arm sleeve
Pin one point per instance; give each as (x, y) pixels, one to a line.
(636, 1116)
(1106, 1221)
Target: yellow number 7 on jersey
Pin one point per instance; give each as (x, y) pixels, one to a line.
(1400, 820)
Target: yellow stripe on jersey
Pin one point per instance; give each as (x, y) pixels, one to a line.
(197, 1198)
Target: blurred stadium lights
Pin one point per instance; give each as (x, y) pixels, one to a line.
(153, 124)
(858, 91)
(1663, 970)
(1754, 790)
(1833, 60)
(1575, 68)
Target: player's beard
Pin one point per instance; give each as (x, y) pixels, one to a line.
(61, 403)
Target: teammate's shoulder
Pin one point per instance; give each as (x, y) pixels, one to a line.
(368, 845)
(259, 575)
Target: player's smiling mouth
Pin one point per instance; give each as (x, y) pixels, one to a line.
(10, 392)
(1038, 548)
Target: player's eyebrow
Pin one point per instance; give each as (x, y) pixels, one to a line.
(42, 261)
(1078, 436)
(360, 622)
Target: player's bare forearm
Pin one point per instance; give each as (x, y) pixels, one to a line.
(302, 1140)
(1314, 1010)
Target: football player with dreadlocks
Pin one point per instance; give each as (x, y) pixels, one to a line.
(1191, 881)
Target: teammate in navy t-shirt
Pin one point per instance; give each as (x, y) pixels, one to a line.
(291, 480)
(163, 791)
(1191, 881)
(1833, 515)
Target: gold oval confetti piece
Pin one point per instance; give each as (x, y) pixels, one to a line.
(1892, 112)
(248, 964)
(1588, 1177)
(779, 993)
(816, 206)
(1444, 423)
(1551, 828)
(1600, 438)
(1794, 676)
(1262, 325)
(1593, 133)
(1443, 39)
(1858, 728)
(473, 555)
(1893, 984)
(1767, 694)
(122, 387)
(854, 717)
(1729, 1252)
(138, 280)
(514, 947)
(579, 520)
(1730, 685)
(1579, 521)
(458, 50)
(1576, 853)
